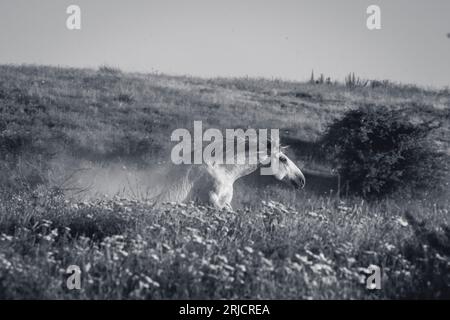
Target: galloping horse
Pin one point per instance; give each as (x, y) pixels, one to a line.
(212, 183)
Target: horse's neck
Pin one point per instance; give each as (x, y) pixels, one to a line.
(239, 171)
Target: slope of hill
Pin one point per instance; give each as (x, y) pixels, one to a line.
(90, 129)
(106, 115)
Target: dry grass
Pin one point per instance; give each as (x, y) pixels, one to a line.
(280, 244)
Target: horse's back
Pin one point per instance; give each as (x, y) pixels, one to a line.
(187, 183)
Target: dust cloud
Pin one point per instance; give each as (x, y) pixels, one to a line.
(89, 180)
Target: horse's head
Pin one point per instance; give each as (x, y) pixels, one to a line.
(284, 169)
(271, 160)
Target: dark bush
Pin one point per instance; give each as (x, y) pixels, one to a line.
(378, 151)
(125, 98)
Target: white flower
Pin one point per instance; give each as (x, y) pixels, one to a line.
(248, 249)
(401, 221)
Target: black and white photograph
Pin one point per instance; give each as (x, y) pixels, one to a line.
(224, 151)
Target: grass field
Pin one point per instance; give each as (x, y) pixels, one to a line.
(77, 146)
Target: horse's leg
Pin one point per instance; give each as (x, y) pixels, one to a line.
(227, 197)
(222, 197)
(220, 202)
(214, 200)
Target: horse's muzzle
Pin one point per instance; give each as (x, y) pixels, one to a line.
(299, 181)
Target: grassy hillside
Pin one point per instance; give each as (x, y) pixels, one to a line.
(105, 113)
(90, 129)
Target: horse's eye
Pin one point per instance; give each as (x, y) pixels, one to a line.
(283, 159)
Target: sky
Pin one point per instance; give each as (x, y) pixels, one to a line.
(258, 38)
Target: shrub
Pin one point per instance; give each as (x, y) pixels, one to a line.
(125, 98)
(378, 151)
(105, 69)
(352, 82)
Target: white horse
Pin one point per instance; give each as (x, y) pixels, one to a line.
(212, 183)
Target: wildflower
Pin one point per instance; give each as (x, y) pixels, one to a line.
(196, 238)
(193, 230)
(319, 267)
(4, 263)
(401, 221)
(48, 237)
(303, 259)
(46, 223)
(241, 267)
(267, 262)
(319, 257)
(213, 267)
(346, 272)
(5, 237)
(143, 285)
(297, 267)
(248, 249)
(228, 267)
(329, 280)
(155, 257)
(151, 282)
(439, 257)
(361, 279)
(222, 258)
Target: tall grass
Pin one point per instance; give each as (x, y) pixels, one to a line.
(279, 244)
(130, 250)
